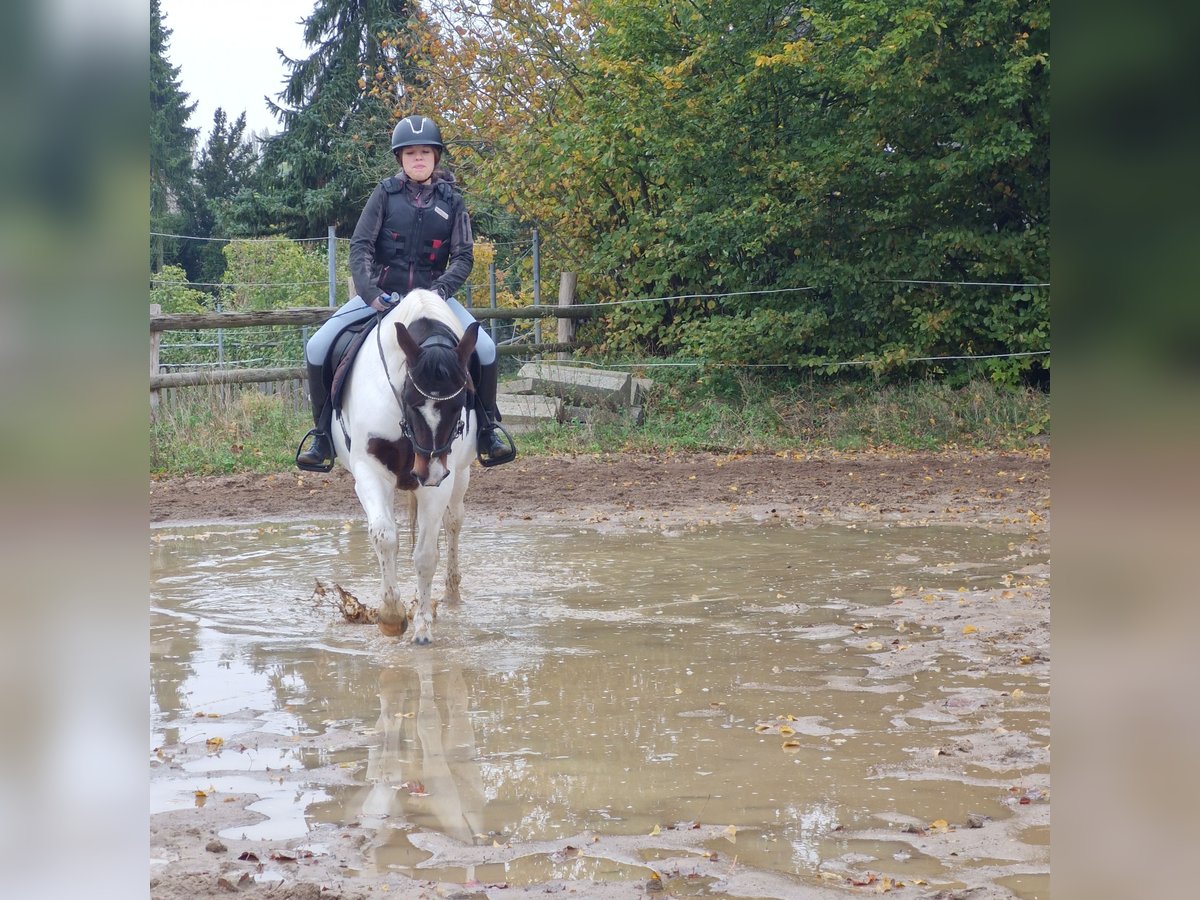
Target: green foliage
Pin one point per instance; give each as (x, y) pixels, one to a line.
(722, 147)
(170, 290)
(279, 274)
(244, 431)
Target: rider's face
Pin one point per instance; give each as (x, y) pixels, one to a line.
(418, 162)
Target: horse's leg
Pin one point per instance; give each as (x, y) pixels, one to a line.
(455, 513)
(431, 508)
(376, 491)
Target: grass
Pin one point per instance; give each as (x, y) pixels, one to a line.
(251, 432)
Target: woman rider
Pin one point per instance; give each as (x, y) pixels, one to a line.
(414, 232)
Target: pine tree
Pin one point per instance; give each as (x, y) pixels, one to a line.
(227, 164)
(336, 111)
(171, 141)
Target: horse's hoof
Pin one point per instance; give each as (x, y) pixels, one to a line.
(392, 629)
(422, 641)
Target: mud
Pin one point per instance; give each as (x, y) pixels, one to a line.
(1005, 635)
(1006, 490)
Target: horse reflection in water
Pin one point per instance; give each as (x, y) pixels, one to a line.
(424, 770)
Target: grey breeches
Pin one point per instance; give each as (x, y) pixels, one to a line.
(355, 310)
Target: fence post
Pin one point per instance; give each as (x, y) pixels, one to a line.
(566, 297)
(155, 341)
(333, 266)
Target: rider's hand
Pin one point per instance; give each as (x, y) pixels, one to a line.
(384, 302)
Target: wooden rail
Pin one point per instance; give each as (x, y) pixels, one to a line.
(565, 312)
(316, 315)
(195, 377)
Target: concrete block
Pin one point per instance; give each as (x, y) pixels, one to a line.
(581, 386)
(528, 409)
(638, 388)
(516, 386)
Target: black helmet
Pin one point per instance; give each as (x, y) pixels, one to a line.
(414, 131)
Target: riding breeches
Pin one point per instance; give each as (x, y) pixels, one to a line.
(355, 310)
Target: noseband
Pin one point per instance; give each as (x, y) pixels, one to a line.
(434, 340)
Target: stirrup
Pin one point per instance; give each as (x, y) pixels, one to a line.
(312, 467)
(488, 461)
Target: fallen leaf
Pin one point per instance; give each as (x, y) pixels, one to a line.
(655, 832)
(969, 629)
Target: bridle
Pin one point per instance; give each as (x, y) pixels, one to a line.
(434, 340)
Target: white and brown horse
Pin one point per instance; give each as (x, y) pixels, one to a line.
(406, 422)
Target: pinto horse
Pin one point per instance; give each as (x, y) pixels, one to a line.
(405, 422)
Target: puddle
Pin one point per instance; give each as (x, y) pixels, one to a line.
(600, 685)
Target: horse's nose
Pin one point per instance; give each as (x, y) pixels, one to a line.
(438, 471)
(431, 472)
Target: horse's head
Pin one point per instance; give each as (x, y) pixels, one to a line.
(435, 391)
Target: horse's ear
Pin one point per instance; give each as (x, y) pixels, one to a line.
(466, 346)
(407, 344)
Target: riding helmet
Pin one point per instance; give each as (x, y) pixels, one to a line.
(416, 130)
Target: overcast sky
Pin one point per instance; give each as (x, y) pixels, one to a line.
(225, 53)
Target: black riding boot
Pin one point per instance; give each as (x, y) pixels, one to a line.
(493, 449)
(320, 455)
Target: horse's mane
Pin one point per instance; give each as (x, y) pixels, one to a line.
(423, 304)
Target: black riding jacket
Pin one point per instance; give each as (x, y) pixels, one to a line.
(412, 236)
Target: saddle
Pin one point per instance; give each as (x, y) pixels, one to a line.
(345, 348)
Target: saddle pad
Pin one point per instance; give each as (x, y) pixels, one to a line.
(345, 348)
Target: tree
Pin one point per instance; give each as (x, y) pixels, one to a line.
(227, 165)
(337, 113)
(750, 146)
(171, 141)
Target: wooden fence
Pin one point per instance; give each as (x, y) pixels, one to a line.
(566, 312)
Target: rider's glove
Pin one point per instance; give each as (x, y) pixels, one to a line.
(384, 302)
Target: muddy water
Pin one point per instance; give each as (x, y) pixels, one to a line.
(612, 684)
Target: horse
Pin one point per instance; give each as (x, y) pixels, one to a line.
(405, 423)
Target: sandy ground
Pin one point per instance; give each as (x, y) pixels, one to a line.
(1008, 490)
(1003, 492)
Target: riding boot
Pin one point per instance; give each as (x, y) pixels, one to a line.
(320, 454)
(493, 449)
